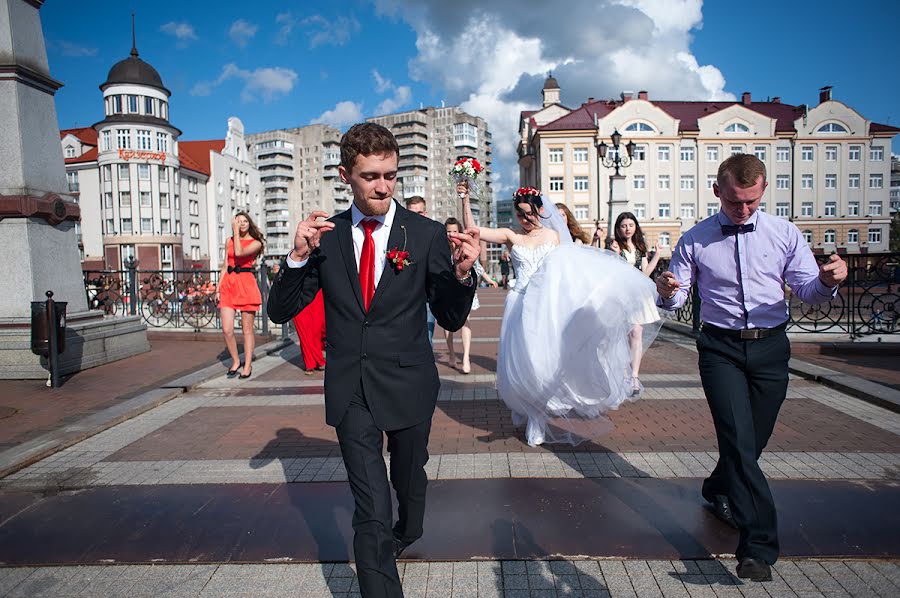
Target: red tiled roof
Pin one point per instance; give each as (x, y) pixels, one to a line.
(86, 135)
(879, 128)
(195, 154)
(88, 156)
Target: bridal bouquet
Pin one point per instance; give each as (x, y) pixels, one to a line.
(467, 169)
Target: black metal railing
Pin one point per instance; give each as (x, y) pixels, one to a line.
(165, 298)
(867, 303)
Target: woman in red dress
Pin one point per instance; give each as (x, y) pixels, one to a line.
(310, 325)
(238, 290)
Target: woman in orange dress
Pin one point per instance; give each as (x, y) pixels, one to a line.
(310, 325)
(239, 291)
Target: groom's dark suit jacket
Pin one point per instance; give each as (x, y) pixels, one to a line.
(387, 350)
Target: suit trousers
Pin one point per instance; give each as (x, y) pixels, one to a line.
(361, 445)
(745, 382)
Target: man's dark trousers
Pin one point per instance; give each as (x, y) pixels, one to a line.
(745, 382)
(361, 444)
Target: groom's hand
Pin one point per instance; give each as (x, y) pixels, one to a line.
(309, 234)
(466, 249)
(667, 285)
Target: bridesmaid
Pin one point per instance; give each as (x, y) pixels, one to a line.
(239, 292)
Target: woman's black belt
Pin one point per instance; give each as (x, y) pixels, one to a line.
(239, 269)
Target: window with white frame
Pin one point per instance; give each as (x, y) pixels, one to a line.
(556, 183)
(640, 210)
(687, 153)
(876, 181)
(783, 209)
(737, 128)
(712, 153)
(194, 207)
(831, 128)
(581, 212)
(876, 153)
(162, 142)
(710, 181)
(146, 201)
(580, 183)
(144, 172)
(195, 230)
(830, 208)
(108, 200)
(853, 181)
(875, 208)
(580, 155)
(133, 104)
(687, 210)
(465, 134)
(127, 255)
(555, 155)
(737, 149)
(760, 152)
(808, 237)
(874, 235)
(662, 153)
(125, 199)
(665, 210)
(165, 255)
(852, 236)
(853, 208)
(163, 174)
(147, 225)
(639, 127)
(687, 182)
(712, 209)
(195, 253)
(762, 207)
(854, 153)
(640, 182)
(806, 208)
(831, 152)
(70, 151)
(110, 227)
(126, 226)
(163, 199)
(806, 181)
(105, 141)
(831, 181)
(782, 181)
(665, 239)
(143, 139)
(640, 153)
(164, 226)
(148, 105)
(106, 172)
(830, 236)
(123, 138)
(192, 184)
(806, 153)
(663, 182)
(117, 104)
(782, 154)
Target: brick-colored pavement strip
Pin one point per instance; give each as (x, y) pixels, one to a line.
(882, 367)
(466, 579)
(33, 409)
(485, 426)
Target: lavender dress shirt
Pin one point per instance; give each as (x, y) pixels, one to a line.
(741, 276)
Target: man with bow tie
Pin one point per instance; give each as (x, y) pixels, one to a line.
(740, 260)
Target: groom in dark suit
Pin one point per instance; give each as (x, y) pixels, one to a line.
(378, 264)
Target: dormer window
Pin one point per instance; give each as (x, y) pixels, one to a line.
(639, 127)
(70, 151)
(832, 128)
(737, 128)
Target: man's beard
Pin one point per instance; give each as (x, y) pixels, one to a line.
(374, 207)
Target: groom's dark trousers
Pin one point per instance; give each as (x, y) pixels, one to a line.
(745, 381)
(380, 376)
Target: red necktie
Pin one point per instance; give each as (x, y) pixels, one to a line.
(367, 263)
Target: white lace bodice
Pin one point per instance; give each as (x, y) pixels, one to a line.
(526, 260)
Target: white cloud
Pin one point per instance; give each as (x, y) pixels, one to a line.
(286, 23)
(492, 58)
(74, 50)
(241, 32)
(344, 114)
(266, 82)
(401, 94)
(183, 32)
(336, 32)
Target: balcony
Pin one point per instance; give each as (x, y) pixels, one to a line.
(275, 160)
(331, 160)
(276, 205)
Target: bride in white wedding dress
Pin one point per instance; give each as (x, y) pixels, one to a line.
(564, 359)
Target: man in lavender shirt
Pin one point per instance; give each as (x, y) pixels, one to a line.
(740, 260)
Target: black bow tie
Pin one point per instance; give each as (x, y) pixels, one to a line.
(732, 229)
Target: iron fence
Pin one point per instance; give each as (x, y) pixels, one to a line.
(868, 303)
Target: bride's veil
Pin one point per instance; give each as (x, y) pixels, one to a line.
(552, 218)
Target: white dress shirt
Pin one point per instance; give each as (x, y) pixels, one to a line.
(379, 236)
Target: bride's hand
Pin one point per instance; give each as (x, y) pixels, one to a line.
(462, 190)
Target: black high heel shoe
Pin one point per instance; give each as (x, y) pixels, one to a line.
(234, 372)
(247, 375)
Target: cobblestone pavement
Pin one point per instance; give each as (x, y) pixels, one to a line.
(270, 430)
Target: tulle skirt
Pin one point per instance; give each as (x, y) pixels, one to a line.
(566, 343)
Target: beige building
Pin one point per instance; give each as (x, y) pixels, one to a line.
(431, 140)
(298, 170)
(828, 167)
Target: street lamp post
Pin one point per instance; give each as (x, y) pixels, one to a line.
(616, 160)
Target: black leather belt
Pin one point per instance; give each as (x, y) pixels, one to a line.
(744, 334)
(239, 269)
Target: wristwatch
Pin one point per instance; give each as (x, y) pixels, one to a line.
(466, 280)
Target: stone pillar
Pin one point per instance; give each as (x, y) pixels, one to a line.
(37, 220)
(618, 200)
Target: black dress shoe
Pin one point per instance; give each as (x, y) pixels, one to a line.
(754, 569)
(247, 375)
(399, 547)
(722, 510)
(234, 372)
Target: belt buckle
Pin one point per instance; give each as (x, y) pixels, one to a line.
(750, 334)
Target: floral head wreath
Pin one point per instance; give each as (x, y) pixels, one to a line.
(526, 192)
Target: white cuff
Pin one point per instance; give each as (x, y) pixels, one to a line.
(292, 264)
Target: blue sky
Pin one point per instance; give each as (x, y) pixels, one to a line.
(283, 64)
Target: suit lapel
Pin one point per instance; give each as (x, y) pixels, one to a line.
(345, 240)
(399, 228)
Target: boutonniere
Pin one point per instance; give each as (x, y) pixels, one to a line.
(399, 258)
